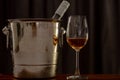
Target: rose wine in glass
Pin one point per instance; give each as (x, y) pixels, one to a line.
(77, 36)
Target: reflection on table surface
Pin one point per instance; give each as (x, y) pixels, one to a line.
(63, 77)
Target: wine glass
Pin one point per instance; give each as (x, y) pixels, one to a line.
(77, 36)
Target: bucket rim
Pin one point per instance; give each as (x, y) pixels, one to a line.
(33, 20)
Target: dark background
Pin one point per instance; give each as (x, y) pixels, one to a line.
(102, 52)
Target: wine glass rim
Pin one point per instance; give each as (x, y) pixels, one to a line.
(79, 15)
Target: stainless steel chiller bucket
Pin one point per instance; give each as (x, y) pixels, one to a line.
(34, 47)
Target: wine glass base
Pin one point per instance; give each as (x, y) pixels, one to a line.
(77, 77)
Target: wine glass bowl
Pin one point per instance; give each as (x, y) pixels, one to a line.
(77, 37)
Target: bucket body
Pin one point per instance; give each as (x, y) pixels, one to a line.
(34, 47)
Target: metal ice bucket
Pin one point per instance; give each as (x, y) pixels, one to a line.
(34, 46)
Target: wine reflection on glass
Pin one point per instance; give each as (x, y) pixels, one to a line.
(77, 37)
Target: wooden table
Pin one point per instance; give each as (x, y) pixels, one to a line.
(63, 77)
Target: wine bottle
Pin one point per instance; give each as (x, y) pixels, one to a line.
(61, 10)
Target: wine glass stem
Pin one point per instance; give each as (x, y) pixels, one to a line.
(77, 70)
